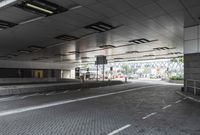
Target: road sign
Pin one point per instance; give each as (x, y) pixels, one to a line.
(101, 60)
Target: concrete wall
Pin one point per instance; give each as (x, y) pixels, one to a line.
(28, 73)
(34, 65)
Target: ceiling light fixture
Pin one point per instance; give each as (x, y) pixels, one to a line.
(85, 57)
(118, 58)
(66, 37)
(150, 55)
(174, 53)
(41, 7)
(35, 48)
(60, 55)
(24, 51)
(131, 60)
(161, 48)
(74, 52)
(118, 61)
(140, 41)
(100, 27)
(132, 52)
(12, 55)
(6, 24)
(106, 46)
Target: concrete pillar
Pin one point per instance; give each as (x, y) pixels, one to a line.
(191, 56)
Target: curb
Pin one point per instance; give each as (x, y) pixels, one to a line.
(188, 97)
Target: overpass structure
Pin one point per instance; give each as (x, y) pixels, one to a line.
(44, 41)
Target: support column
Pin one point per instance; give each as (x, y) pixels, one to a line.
(191, 57)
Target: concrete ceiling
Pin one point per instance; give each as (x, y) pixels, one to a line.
(159, 21)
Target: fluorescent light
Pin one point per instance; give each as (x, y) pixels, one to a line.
(6, 2)
(31, 20)
(39, 8)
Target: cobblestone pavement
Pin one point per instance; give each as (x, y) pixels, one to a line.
(128, 109)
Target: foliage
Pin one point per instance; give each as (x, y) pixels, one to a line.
(177, 60)
(177, 77)
(126, 69)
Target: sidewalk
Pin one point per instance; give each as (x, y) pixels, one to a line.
(190, 96)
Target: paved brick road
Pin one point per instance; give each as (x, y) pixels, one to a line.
(156, 110)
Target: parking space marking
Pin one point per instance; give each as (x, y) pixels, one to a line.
(31, 108)
(149, 115)
(119, 130)
(166, 107)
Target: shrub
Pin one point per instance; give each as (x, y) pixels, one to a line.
(177, 77)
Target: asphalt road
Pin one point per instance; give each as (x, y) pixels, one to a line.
(128, 109)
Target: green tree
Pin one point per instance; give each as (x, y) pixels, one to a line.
(126, 69)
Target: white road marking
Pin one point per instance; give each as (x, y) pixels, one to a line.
(32, 95)
(31, 108)
(149, 115)
(66, 91)
(166, 107)
(8, 98)
(119, 130)
(50, 93)
(178, 101)
(77, 90)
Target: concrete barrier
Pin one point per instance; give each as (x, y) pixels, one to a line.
(35, 88)
(16, 81)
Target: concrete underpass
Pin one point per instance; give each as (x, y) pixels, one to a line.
(94, 67)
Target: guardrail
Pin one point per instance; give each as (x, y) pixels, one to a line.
(192, 84)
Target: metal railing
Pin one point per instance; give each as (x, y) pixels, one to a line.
(192, 84)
